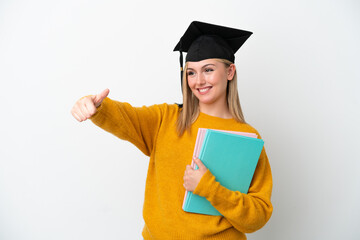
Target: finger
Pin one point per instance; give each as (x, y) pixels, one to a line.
(193, 163)
(100, 97)
(199, 163)
(188, 169)
(90, 108)
(83, 112)
(77, 110)
(87, 107)
(76, 116)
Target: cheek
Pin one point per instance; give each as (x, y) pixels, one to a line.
(221, 79)
(191, 82)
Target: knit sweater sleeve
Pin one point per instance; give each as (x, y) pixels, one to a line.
(138, 125)
(246, 212)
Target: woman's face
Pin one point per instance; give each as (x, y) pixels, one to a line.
(208, 80)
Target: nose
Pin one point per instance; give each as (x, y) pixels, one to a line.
(200, 80)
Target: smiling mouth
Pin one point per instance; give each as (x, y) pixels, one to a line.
(203, 90)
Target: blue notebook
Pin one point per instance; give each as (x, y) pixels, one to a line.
(232, 159)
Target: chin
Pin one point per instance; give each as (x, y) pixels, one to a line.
(206, 101)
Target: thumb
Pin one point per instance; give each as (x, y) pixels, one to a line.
(97, 99)
(200, 164)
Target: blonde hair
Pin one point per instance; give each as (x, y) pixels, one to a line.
(190, 110)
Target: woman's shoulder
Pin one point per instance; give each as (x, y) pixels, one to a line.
(166, 109)
(249, 128)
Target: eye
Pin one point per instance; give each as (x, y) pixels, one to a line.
(190, 73)
(209, 69)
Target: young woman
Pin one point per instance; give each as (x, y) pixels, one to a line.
(167, 133)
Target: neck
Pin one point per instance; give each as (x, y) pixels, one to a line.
(218, 109)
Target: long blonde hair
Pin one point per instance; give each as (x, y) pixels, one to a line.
(190, 110)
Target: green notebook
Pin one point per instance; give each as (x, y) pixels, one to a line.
(232, 159)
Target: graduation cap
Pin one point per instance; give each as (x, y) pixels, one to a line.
(203, 41)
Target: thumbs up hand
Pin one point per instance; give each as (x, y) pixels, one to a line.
(192, 177)
(85, 107)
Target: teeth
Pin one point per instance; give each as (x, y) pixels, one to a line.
(203, 90)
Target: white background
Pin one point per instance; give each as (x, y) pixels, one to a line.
(298, 84)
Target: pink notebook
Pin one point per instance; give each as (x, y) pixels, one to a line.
(199, 142)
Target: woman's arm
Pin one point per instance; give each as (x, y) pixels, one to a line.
(246, 212)
(138, 125)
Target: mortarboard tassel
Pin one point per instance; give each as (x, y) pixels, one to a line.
(181, 68)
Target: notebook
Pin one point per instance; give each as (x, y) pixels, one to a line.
(231, 157)
(198, 145)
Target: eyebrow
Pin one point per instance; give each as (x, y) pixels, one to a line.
(210, 64)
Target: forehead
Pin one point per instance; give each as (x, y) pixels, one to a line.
(202, 63)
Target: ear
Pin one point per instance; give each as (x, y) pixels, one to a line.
(231, 72)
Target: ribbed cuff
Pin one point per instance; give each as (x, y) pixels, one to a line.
(206, 185)
(99, 110)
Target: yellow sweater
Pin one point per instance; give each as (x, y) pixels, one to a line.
(152, 130)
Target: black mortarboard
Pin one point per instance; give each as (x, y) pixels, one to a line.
(203, 41)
